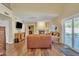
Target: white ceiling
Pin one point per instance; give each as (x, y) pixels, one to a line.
(34, 17)
(36, 12)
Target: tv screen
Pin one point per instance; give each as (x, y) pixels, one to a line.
(18, 25)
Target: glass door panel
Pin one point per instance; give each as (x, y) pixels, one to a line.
(76, 33)
(68, 32)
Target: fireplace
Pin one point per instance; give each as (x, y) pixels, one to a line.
(41, 31)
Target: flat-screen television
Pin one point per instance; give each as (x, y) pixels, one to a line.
(19, 25)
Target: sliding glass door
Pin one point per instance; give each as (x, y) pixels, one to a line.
(71, 32)
(68, 33)
(76, 33)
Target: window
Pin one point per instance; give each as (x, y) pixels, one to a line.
(71, 32)
(68, 32)
(76, 33)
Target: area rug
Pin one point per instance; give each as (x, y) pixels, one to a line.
(69, 52)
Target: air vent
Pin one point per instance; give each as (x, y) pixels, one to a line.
(6, 13)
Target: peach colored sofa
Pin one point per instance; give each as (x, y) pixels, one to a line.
(39, 41)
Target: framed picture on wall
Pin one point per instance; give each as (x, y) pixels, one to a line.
(53, 28)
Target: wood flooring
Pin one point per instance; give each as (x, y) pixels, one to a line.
(20, 49)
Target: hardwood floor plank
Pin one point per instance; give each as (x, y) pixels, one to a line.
(20, 49)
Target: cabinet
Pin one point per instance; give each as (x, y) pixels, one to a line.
(19, 37)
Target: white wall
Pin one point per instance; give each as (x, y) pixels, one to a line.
(9, 36)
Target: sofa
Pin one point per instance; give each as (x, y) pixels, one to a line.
(39, 41)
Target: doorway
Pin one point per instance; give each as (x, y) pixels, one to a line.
(2, 41)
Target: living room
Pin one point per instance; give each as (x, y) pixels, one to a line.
(39, 26)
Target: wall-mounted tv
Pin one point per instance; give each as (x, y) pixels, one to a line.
(19, 25)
